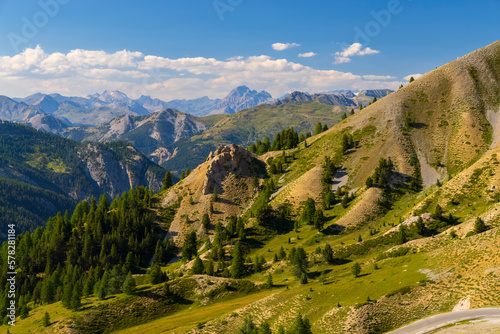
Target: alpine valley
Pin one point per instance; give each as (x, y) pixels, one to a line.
(336, 212)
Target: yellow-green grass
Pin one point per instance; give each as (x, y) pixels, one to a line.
(187, 319)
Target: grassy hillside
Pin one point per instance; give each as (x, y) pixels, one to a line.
(389, 216)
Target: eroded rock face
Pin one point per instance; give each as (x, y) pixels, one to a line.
(224, 159)
(113, 176)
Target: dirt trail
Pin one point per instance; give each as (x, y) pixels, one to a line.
(494, 119)
(340, 179)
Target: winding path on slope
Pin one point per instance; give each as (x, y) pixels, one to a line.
(437, 321)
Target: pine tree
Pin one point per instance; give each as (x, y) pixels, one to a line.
(46, 319)
(369, 182)
(269, 281)
(130, 262)
(420, 226)
(48, 291)
(198, 267)
(89, 286)
(209, 269)
(182, 175)
(318, 128)
(301, 325)
(167, 181)
(205, 222)
(76, 297)
(215, 195)
(345, 201)
(344, 116)
(129, 284)
(155, 275)
(412, 79)
(24, 312)
(356, 269)
(282, 254)
(307, 216)
(101, 291)
(159, 256)
(319, 220)
(352, 112)
(479, 226)
(238, 264)
(328, 254)
(299, 262)
(402, 235)
(189, 250)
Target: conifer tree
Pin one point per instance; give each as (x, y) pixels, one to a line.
(156, 275)
(198, 267)
(356, 269)
(129, 284)
(479, 226)
(401, 235)
(76, 297)
(238, 265)
(301, 325)
(215, 195)
(167, 181)
(189, 250)
(46, 319)
(318, 128)
(205, 222)
(299, 262)
(328, 253)
(209, 269)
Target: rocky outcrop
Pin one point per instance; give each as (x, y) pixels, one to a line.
(225, 159)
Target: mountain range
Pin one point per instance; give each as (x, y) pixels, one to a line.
(161, 134)
(96, 109)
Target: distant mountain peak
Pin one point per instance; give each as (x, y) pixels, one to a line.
(241, 98)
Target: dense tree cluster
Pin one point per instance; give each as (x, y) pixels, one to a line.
(382, 173)
(284, 140)
(347, 142)
(95, 250)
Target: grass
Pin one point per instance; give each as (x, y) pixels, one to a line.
(187, 319)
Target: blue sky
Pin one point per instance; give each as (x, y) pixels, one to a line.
(187, 49)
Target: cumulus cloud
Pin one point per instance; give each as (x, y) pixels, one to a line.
(307, 54)
(82, 72)
(355, 49)
(284, 46)
(415, 76)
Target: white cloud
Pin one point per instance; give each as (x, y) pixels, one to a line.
(355, 49)
(342, 60)
(284, 46)
(415, 76)
(83, 72)
(307, 54)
